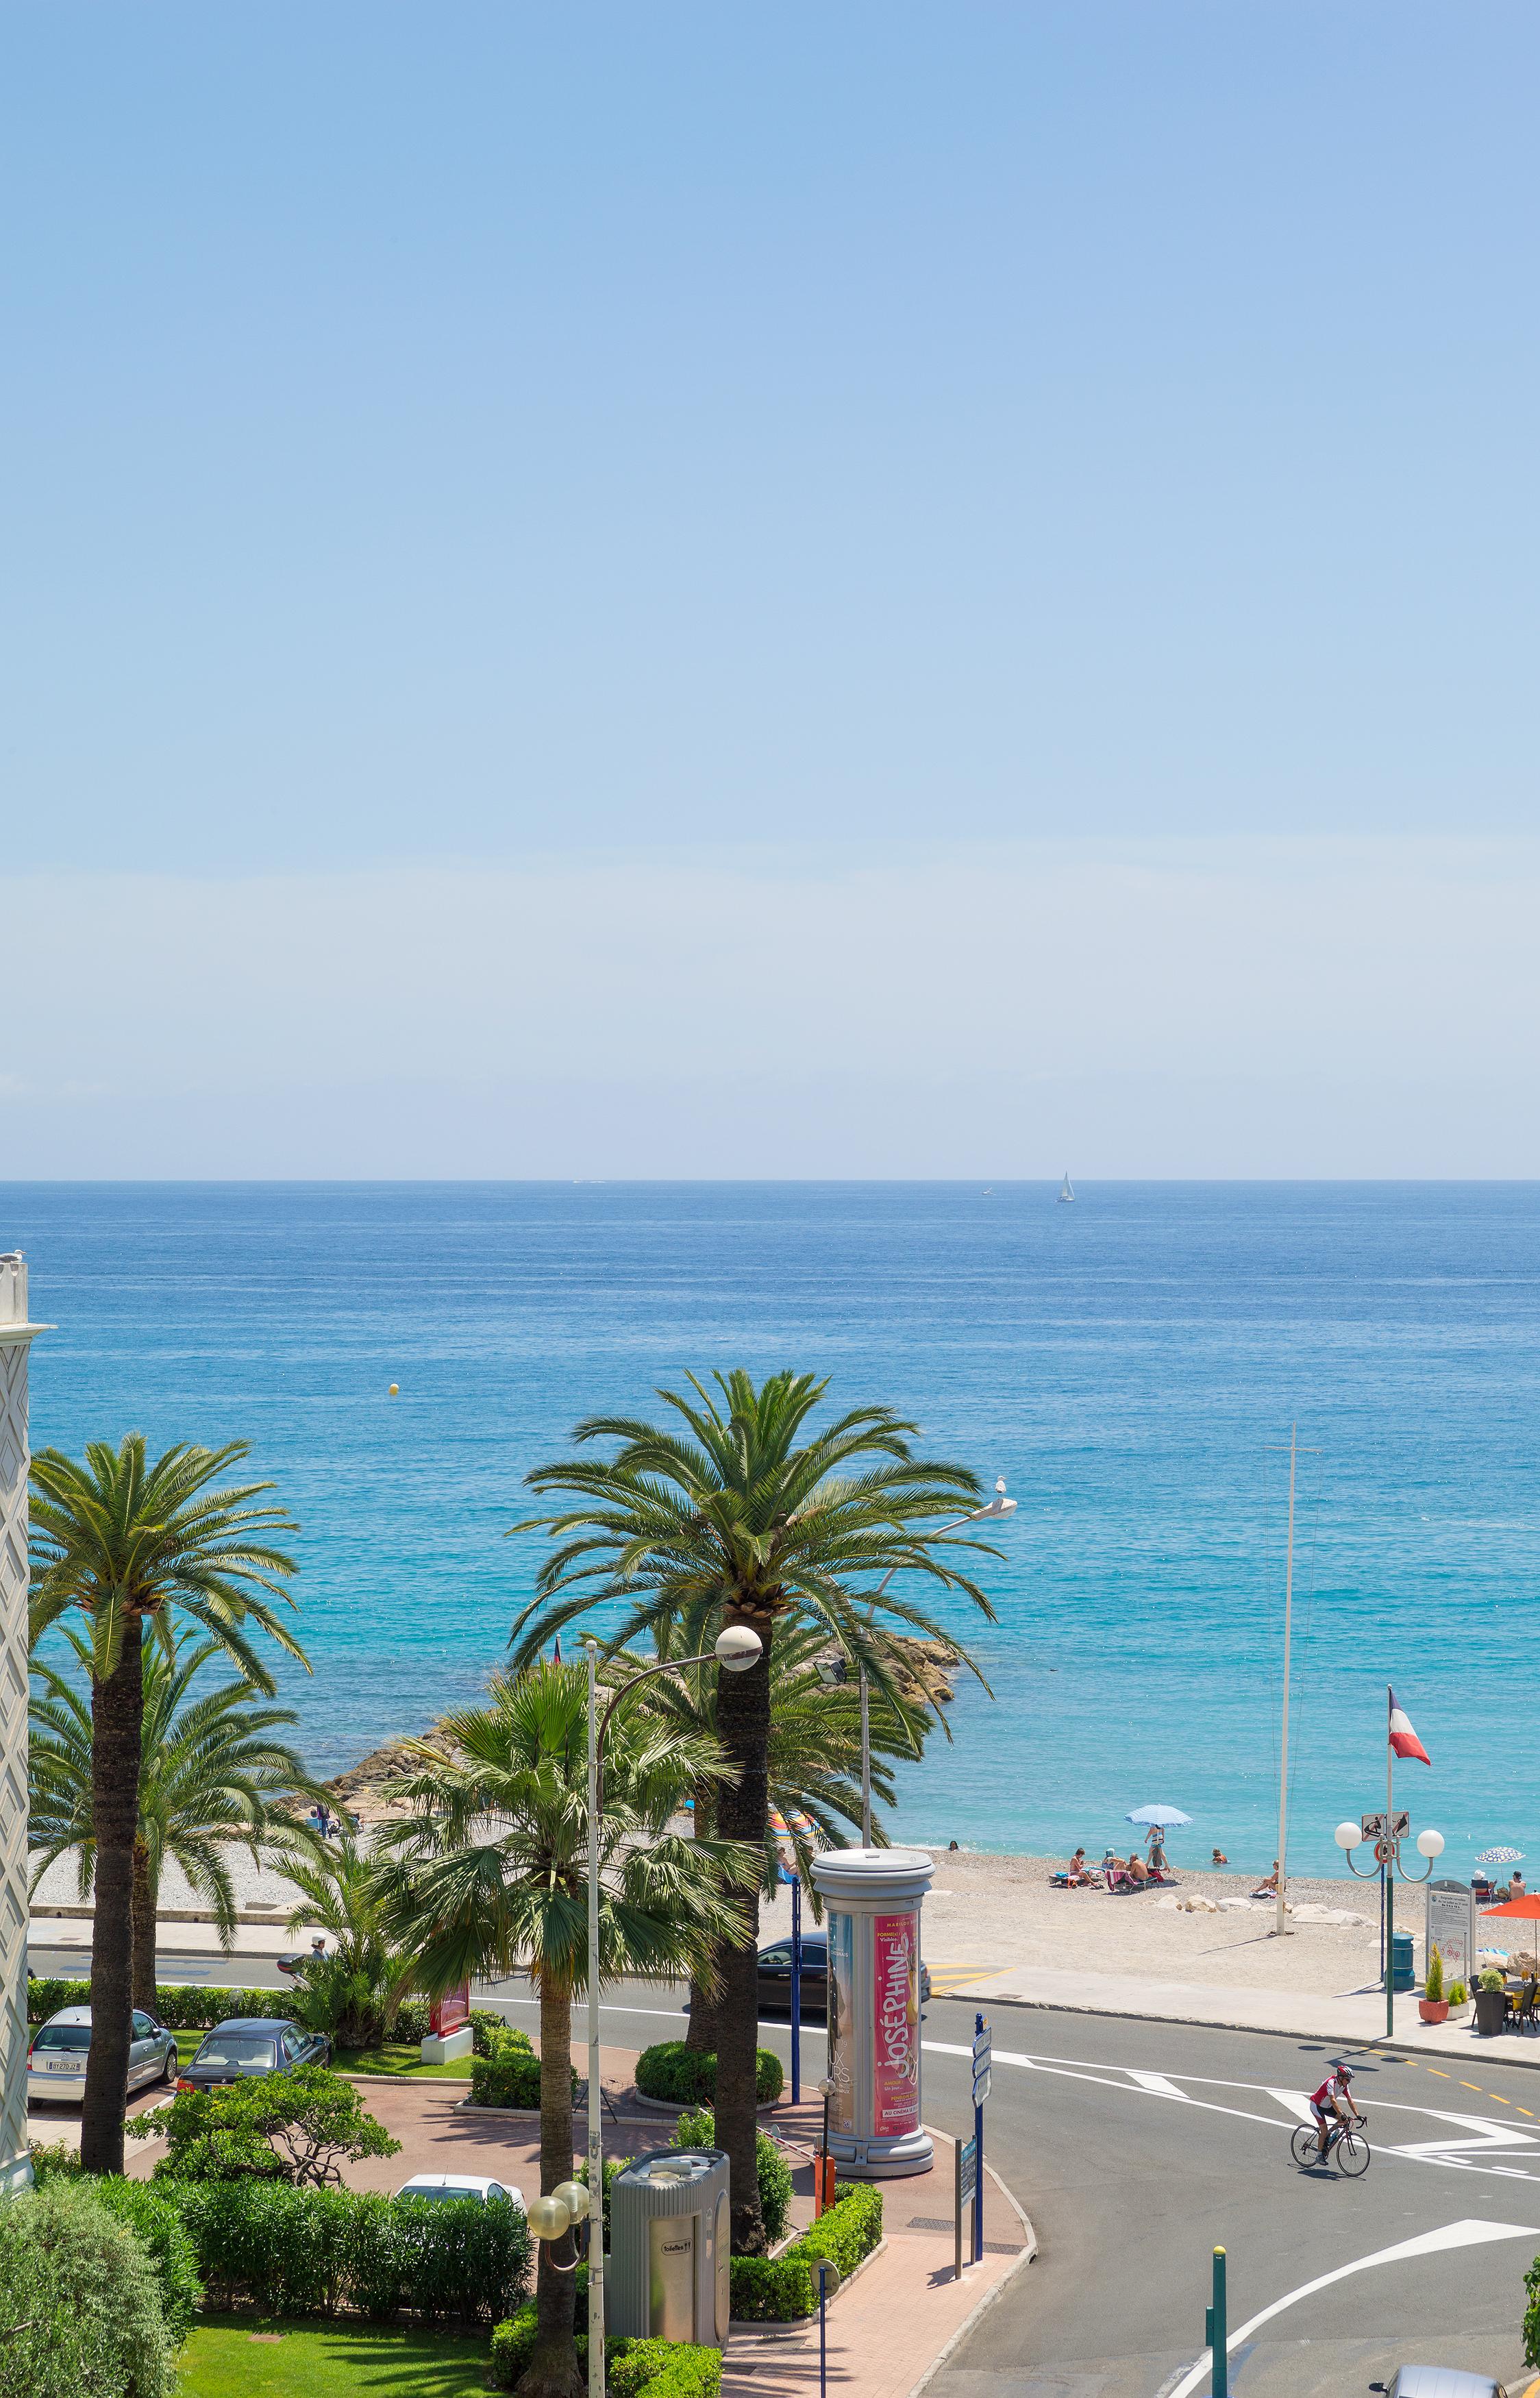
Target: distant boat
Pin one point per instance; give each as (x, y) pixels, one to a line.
(1066, 1193)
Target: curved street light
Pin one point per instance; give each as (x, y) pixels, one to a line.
(1388, 1859)
(734, 1648)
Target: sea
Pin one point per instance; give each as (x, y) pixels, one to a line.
(1134, 1364)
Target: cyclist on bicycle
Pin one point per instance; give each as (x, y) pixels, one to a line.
(1333, 2105)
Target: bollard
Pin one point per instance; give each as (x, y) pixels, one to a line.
(1218, 2322)
(823, 2331)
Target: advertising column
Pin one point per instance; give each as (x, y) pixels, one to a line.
(873, 1898)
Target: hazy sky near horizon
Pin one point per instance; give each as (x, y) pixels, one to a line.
(547, 546)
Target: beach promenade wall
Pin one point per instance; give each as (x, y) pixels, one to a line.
(17, 1334)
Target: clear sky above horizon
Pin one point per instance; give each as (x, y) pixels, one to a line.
(599, 450)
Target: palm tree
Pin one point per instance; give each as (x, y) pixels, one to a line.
(489, 1876)
(354, 1991)
(737, 1519)
(814, 1759)
(134, 1545)
(213, 1777)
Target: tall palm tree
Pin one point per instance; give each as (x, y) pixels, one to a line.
(489, 1876)
(135, 1545)
(814, 1757)
(747, 1515)
(213, 1776)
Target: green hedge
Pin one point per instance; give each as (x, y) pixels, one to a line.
(688, 2077)
(288, 2251)
(80, 2305)
(697, 2130)
(634, 2368)
(180, 2006)
(167, 2242)
(784, 2288)
(509, 2073)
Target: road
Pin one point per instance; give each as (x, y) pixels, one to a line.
(1136, 2148)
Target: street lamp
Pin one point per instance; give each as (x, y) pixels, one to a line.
(1388, 1832)
(735, 1647)
(837, 1670)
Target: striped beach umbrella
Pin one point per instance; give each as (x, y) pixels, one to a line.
(1501, 1857)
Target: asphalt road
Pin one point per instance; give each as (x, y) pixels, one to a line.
(1136, 2148)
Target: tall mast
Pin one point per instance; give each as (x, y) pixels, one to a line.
(1282, 1924)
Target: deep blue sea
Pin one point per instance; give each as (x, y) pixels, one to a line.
(1130, 1363)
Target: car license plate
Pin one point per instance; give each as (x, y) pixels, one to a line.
(50, 2067)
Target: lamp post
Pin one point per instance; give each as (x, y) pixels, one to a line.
(736, 1649)
(1387, 1833)
(837, 1670)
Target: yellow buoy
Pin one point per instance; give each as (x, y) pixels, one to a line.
(396, 1390)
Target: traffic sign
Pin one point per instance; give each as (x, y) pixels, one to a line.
(983, 2053)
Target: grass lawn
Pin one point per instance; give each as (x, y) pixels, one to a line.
(404, 2058)
(223, 2359)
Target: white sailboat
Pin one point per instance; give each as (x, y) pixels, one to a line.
(1066, 1191)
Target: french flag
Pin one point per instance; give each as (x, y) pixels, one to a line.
(1403, 1740)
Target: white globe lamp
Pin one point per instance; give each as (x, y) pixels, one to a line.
(1348, 1835)
(1430, 1844)
(737, 1648)
(548, 2218)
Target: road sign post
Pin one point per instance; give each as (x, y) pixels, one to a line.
(965, 2177)
(1216, 2324)
(982, 2053)
(796, 1989)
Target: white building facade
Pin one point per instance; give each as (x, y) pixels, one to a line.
(17, 1335)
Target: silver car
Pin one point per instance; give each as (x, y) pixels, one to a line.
(56, 2059)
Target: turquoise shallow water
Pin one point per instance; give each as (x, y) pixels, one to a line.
(1125, 1363)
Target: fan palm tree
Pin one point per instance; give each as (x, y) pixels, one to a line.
(814, 1757)
(213, 1776)
(135, 1545)
(488, 1875)
(356, 1990)
(745, 1516)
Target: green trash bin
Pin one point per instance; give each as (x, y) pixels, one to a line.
(1404, 1976)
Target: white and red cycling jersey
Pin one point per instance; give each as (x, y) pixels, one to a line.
(1333, 2089)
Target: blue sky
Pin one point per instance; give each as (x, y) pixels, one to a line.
(498, 437)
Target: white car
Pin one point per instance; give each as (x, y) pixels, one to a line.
(56, 2058)
(460, 2185)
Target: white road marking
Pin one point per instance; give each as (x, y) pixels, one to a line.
(1467, 2234)
(1296, 2103)
(1160, 2084)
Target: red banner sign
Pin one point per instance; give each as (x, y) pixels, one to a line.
(450, 2012)
(895, 2025)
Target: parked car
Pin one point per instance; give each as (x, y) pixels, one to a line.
(460, 2185)
(1440, 2381)
(245, 2047)
(775, 1976)
(56, 2059)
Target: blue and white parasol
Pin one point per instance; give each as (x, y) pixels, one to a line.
(1163, 1817)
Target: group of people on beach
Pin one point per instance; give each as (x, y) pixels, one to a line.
(1132, 1872)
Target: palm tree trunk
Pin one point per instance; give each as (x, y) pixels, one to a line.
(703, 2018)
(144, 1931)
(552, 2371)
(743, 1726)
(117, 1717)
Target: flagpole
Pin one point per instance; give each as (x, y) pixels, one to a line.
(1282, 1924)
(1389, 1873)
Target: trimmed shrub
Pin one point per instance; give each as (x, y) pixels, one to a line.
(157, 2222)
(79, 2303)
(662, 2369)
(698, 2130)
(684, 2078)
(509, 2074)
(1433, 1987)
(783, 2289)
(287, 2251)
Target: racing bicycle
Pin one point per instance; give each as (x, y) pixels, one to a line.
(1345, 2146)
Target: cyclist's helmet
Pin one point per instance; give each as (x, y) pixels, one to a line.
(1344, 2073)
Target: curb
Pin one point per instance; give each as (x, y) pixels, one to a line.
(805, 2323)
(1355, 2039)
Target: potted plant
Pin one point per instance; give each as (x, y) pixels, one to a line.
(1491, 2002)
(1459, 1998)
(1433, 2006)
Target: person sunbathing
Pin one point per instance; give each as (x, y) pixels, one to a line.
(1267, 1887)
(1077, 1873)
(1138, 1872)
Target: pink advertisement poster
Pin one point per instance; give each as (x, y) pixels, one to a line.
(895, 2002)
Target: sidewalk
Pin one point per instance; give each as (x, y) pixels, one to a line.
(889, 2329)
(1356, 2018)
